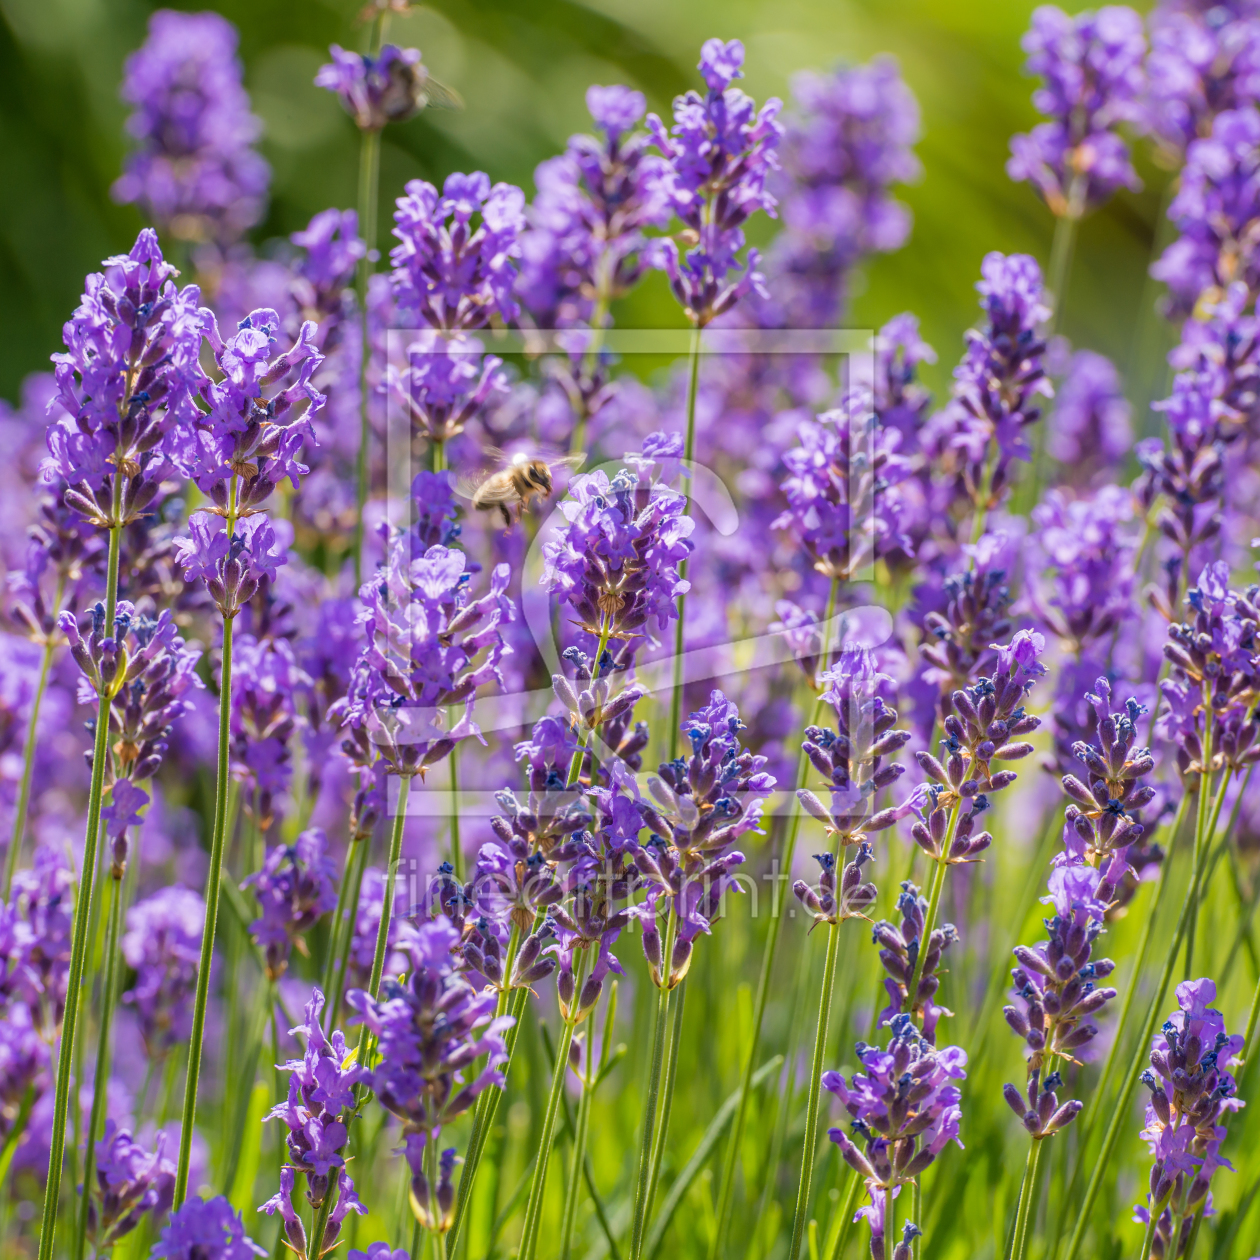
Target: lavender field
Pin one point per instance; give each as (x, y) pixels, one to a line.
(629, 632)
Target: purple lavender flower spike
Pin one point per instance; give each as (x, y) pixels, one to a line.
(1089, 431)
(1057, 996)
(847, 140)
(1084, 561)
(429, 645)
(194, 172)
(419, 1077)
(719, 151)
(146, 672)
(997, 384)
(24, 1054)
(1091, 66)
(1192, 1093)
(162, 944)
(1102, 820)
(126, 386)
(232, 567)
(585, 244)
(266, 683)
(260, 413)
(130, 1182)
(333, 251)
(700, 806)
(295, 888)
(205, 1229)
(35, 940)
(448, 274)
(377, 90)
(900, 946)
(1204, 59)
(1218, 196)
(320, 1102)
(841, 488)
(1211, 661)
(900, 401)
(616, 562)
(901, 1131)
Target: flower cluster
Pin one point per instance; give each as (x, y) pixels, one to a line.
(127, 386)
(900, 947)
(841, 488)
(143, 672)
(130, 1183)
(586, 245)
(615, 562)
(320, 1101)
(1089, 431)
(1055, 986)
(194, 172)
(845, 144)
(376, 90)
(205, 1229)
(700, 806)
(1211, 691)
(430, 1028)
(35, 941)
(719, 152)
(429, 645)
(1217, 201)
(1091, 65)
(162, 945)
(295, 888)
(904, 1110)
(1203, 60)
(1192, 1092)
(997, 384)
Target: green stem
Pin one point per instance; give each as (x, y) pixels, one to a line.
(599, 320)
(28, 766)
(810, 1149)
(689, 449)
(1202, 834)
(542, 1161)
(1157, 1210)
(934, 903)
(1027, 1202)
(731, 1159)
(890, 1223)
(337, 925)
(846, 1215)
(378, 970)
(672, 1048)
(916, 1206)
(484, 1123)
(579, 1164)
(347, 938)
(1122, 1023)
(82, 917)
(457, 856)
(1120, 1111)
(639, 1229)
(577, 1161)
(213, 880)
(109, 997)
(369, 185)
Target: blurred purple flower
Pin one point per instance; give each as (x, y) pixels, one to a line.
(376, 90)
(295, 888)
(1091, 67)
(162, 944)
(194, 172)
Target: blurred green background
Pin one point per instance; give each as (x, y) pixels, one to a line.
(523, 68)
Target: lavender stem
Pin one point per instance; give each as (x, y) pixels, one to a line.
(82, 915)
(213, 880)
(725, 1195)
(1027, 1208)
(810, 1149)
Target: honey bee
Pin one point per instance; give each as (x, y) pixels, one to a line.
(521, 479)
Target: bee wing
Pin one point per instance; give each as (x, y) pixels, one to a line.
(497, 455)
(568, 461)
(490, 491)
(439, 96)
(467, 487)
